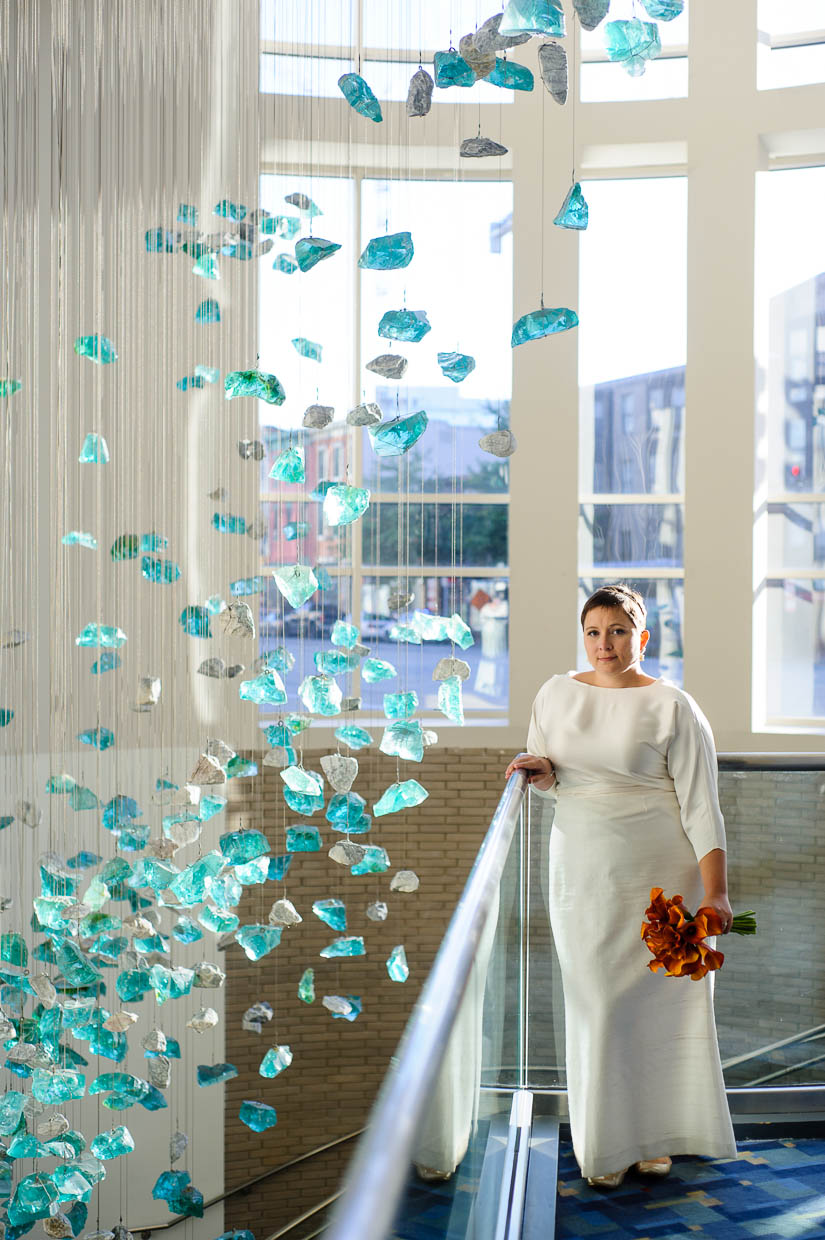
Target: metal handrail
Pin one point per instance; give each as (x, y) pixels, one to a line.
(146, 1229)
(379, 1169)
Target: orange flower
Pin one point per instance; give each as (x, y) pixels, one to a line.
(675, 938)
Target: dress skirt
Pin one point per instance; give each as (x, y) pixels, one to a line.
(644, 1078)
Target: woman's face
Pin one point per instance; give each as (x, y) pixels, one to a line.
(611, 643)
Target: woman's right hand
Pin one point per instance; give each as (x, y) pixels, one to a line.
(540, 771)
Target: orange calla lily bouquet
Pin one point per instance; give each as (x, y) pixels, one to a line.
(677, 938)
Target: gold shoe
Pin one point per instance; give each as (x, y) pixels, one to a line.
(431, 1175)
(607, 1181)
(650, 1166)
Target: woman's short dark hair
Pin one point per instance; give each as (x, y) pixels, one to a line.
(618, 594)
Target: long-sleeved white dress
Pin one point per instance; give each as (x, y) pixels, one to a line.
(637, 807)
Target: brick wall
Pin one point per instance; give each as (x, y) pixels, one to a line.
(339, 1065)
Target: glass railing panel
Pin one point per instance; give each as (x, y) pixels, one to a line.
(771, 988)
(504, 1015)
(544, 1052)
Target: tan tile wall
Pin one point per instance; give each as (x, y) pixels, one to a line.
(339, 1065)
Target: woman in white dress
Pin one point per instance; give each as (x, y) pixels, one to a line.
(632, 763)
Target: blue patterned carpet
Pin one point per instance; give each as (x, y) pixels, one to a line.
(774, 1190)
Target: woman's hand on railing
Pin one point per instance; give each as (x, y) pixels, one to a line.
(540, 771)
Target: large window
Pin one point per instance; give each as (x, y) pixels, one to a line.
(666, 77)
(632, 402)
(437, 523)
(791, 43)
(789, 530)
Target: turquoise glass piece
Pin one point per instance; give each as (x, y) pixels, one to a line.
(277, 733)
(289, 466)
(405, 633)
(185, 930)
(163, 572)
(211, 374)
(13, 949)
(82, 799)
(27, 1146)
(95, 450)
(257, 940)
(108, 1145)
(460, 632)
(240, 768)
(5, 821)
(333, 662)
(296, 582)
(218, 921)
(188, 1203)
(397, 966)
(227, 523)
(345, 808)
(533, 17)
(400, 705)
(321, 695)
(215, 1074)
(374, 861)
(456, 366)
(226, 891)
(187, 214)
(75, 966)
(83, 860)
(278, 866)
(133, 984)
(285, 263)
(8, 387)
(6, 717)
(208, 311)
(303, 802)
(190, 886)
(404, 739)
(99, 738)
(543, 322)
(246, 585)
(450, 69)
(388, 253)
(633, 43)
(303, 839)
(170, 983)
(239, 847)
(306, 986)
(79, 538)
(353, 736)
(344, 504)
(268, 687)
(409, 325)
(55, 1085)
(360, 97)
(230, 210)
(296, 529)
(257, 383)
(125, 547)
(510, 75)
(276, 1059)
(431, 628)
(299, 780)
(400, 796)
(160, 241)
(257, 1116)
(169, 1184)
(194, 620)
(449, 699)
(252, 872)
(206, 266)
(347, 945)
(333, 912)
(11, 1109)
(398, 436)
(119, 811)
(97, 348)
(108, 662)
(354, 1002)
(153, 542)
(663, 10)
(210, 806)
(282, 225)
(308, 348)
(32, 1199)
(311, 250)
(573, 211)
(59, 785)
(344, 634)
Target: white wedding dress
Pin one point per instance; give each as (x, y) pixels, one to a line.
(636, 807)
